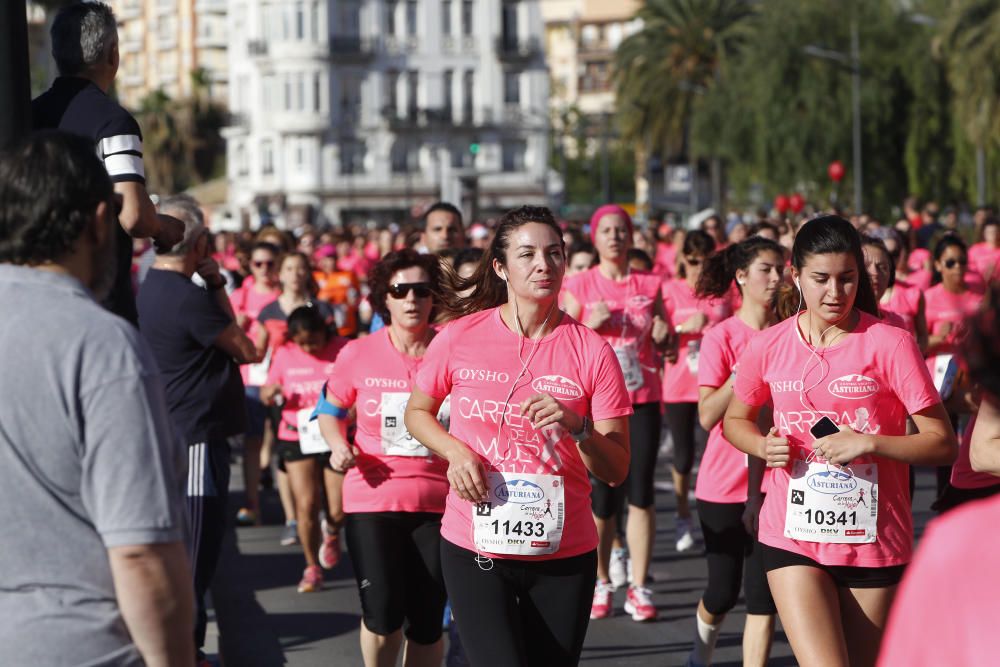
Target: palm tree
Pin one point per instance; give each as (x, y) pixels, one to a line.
(971, 41)
(662, 71)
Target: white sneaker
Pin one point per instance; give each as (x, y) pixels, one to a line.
(619, 567)
(685, 538)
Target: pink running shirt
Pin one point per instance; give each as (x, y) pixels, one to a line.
(871, 380)
(722, 476)
(944, 306)
(945, 610)
(904, 301)
(369, 372)
(680, 379)
(475, 359)
(631, 302)
(983, 258)
(962, 474)
(301, 377)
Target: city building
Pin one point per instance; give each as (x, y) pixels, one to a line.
(368, 110)
(164, 42)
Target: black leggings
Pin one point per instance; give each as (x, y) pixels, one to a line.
(732, 555)
(685, 431)
(397, 563)
(644, 444)
(520, 613)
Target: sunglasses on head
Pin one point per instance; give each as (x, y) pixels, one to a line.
(952, 263)
(400, 290)
(266, 262)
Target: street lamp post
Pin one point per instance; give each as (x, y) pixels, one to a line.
(15, 84)
(852, 61)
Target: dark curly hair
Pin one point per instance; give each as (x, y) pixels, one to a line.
(50, 184)
(696, 242)
(488, 290)
(720, 268)
(398, 260)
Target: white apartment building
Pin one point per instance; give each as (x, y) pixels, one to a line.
(361, 110)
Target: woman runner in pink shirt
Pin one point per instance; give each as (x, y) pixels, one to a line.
(898, 305)
(395, 488)
(836, 526)
(626, 309)
(728, 488)
(689, 316)
(538, 401)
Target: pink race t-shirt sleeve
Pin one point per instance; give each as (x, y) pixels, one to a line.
(713, 366)
(276, 371)
(909, 378)
(610, 398)
(750, 386)
(434, 376)
(340, 384)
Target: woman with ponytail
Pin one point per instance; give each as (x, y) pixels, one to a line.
(835, 528)
(728, 488)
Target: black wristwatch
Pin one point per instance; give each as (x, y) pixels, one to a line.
(586, 430)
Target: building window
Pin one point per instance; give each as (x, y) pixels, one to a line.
(267, 157)
(461, 157)
(512, 155)
(468, 80)
(287, 105)
(402, 157)
(411, 18)
(447, 83)
(467, 17)
(241, 160)
(300, 21)
(317, 80)
(300, 154)
(445, 17)
(390, 17)
(352, 157)
(412, 80)
(391, 84)
(512, 87)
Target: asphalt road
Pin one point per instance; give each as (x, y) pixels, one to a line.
(264, 622)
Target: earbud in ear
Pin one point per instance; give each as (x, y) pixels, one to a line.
(798, 285)
(741, 282)
(503, 274)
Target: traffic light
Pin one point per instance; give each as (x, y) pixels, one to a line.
(474, 148)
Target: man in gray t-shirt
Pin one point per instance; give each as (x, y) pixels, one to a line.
(94, 571)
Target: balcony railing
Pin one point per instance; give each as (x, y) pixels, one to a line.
(510, 49)
(352, 48)
(257, 47)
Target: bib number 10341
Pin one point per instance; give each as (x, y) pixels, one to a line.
(523, 515)
(832, 505)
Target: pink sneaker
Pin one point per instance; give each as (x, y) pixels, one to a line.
(329, 553)
(639, 604)
(602, 605)
(312, 579)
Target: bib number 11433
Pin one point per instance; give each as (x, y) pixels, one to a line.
(523, 515)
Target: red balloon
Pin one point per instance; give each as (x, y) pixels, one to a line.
(836, 171)
(781, 203)
(796, 202)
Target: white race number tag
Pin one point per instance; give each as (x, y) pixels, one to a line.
(257, 376)
(523, 515)
(396, 440)
(311, 441)
(693, 352)
(832, 505)
(628, 359)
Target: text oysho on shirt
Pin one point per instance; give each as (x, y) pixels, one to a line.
(572, 364)
(870, 379)
(370, 374)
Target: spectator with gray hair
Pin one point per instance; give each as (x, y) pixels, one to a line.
(93, 559)
(198, 346)
(85, 48)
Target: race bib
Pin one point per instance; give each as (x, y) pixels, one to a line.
(396, 440)
(628, 359)
(693, 351)
(945, 372)
(832, 505)
(523, 515)
(257, 375)
(311, 441)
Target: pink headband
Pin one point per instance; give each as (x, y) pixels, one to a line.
(609, 209)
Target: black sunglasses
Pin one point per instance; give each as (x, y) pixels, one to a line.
(400, 290)
(259, 263)
(693, 261)
(951, 263)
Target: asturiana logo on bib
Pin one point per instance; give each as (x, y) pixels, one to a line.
(519, 491)
(832, 482)
(558, 386)
(853, 386)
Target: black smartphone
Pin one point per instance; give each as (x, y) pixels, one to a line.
(823, 428)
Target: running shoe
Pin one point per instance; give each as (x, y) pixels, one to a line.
(312, 579)
(685, 538)
(290, 535)
(618, 568)
(602, 606)
(246, 517)
(639, 604)
(329, 552)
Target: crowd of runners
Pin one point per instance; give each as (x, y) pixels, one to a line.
(475, 414)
